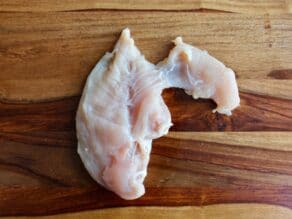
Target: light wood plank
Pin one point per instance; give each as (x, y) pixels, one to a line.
(49, 55)
(280, 141)
(269, 87)
(223, 211)
(247, 6)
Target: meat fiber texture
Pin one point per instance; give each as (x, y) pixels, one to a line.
(121, 109)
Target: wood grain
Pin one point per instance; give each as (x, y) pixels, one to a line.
(225, 211)
(185, 169)
(54, 118)
(207, 159)
(247, 139)
(247, 6)
(49, 55)
(256, 113)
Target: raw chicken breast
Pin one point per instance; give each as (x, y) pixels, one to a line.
(121, 110)
(201, 76)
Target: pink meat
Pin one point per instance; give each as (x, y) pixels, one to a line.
(121, 109)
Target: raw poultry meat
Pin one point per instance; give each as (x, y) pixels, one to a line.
(121, 109)
(120, 112)
(201, 76)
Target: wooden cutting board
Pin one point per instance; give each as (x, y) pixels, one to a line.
(47, 50)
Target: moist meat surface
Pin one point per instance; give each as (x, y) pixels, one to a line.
(121, 109)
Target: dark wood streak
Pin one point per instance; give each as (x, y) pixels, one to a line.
(201, 10)
(283, 74)
(237, 6)
(46, 123)
(41, 164)
(76, 199)
(44, 179)
(240, 157)
(51, 123)
(48, 139)
(256, 113)
(48, 107)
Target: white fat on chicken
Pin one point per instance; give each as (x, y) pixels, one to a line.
(121, 109)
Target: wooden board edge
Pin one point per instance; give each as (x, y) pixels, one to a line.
(218, 211)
